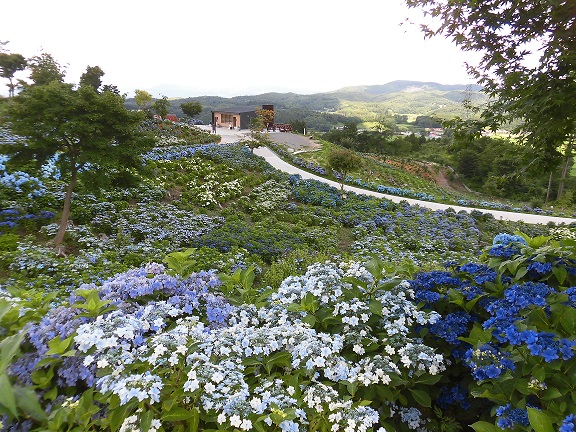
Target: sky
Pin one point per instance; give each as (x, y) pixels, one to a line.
(230, 48)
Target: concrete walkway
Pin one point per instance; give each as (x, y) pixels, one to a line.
(293, 141)
(278, 163)
(228, 136)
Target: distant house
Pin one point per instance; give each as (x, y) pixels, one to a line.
(435, 132)
(234, 118)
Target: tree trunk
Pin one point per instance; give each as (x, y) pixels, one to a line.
(66, 210)
(565, 170)
(11, 87)
(549, 187)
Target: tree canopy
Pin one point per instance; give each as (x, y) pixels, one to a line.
(44, 69)
(528, 58)
(344, 161)
(191, 109)
(9, 65)
(143, 98)
(86, 129)
(527, 65)
(161, 106)
(92, 77)
(267, 117)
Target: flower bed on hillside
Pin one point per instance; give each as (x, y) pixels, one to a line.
(345, 346)
(158, 314)
(168, 133)
(425, 192)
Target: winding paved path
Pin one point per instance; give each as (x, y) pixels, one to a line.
(278, 163)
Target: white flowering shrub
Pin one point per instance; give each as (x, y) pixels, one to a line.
(330, 350)
(198, 180)
(563, 233)
(270, 195)
(212, 192)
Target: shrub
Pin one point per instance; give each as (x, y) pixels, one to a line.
(8, 242)
(508, 326)
(147, 348)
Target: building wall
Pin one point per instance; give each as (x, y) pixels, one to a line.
(241, 120)
(226, 119)
(245, 119)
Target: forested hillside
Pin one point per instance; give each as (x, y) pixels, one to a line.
(323, 111)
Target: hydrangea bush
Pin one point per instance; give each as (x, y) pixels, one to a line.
(168, 133)
(510, 325)
(339, 345)
(332, 349)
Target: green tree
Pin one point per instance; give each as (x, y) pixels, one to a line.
(527, 66)
(350, 130)
(385, 126)
(191, 109)
(298, 126)
(469, 165)
(92, 77)
(161, 106)
(9, 65)
(44, 69)
(400, 118)
(427, 122)
(344, 161)
(88, 130)
(143, 99)
(257, 137)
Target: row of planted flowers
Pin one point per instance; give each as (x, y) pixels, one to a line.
(346, 346)
(267, 213)
(407, 193)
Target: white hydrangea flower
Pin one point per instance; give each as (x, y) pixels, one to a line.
(235, 420)
(246, 424)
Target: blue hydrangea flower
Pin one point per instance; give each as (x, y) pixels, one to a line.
(451, 327)
(506, 245)
(510, 417)
(571, 293)
(480, 272)
(508, 239)
(528, 294)
(539, 268)
(426, 285)
(568, 424)
(548, 345)
(456, 395)
(488, 362)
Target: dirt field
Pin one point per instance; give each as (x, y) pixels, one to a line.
(294, 141)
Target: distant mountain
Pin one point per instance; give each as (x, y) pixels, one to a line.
(407, 87)
(413, 98)
(321, 111)
(400, 95)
